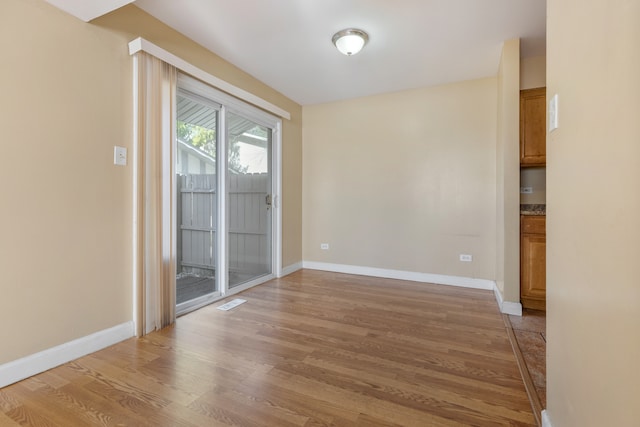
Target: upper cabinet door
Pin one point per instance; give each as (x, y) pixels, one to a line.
(533, 135)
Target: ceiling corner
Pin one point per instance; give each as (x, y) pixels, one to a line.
(88, 10)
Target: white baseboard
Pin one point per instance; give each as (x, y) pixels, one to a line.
(546, 421)
(439, 279)
(507, 307)
(39, 362)
(290, 269)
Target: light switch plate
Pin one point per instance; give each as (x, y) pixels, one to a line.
(119, 156)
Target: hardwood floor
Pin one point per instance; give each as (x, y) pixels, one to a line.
(311, 349)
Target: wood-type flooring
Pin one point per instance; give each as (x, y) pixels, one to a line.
(310, 349)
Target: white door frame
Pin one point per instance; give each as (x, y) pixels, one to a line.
(275, 124)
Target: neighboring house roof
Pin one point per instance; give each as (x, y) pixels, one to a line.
(251, 154)
(185, 146)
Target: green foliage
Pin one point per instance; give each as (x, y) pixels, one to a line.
(205, 140)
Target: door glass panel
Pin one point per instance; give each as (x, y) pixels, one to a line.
(249, 200)
(196, 204)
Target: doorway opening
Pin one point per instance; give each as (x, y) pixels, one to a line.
(224, 201)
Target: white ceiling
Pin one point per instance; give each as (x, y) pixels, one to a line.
(413, 43)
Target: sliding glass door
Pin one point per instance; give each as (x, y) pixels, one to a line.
(196, 200)
(249, 199)
(224, 195)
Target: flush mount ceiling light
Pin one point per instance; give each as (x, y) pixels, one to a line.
(350, 41)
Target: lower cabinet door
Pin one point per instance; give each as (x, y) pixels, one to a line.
(533, 271)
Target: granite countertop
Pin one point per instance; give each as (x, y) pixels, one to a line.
(533, 209)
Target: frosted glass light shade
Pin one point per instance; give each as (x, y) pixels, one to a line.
(350, 41)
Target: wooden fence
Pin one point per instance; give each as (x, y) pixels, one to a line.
(249, 225)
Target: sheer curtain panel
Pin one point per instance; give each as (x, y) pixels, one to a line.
(154, 189)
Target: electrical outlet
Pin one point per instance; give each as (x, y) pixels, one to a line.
(466, 257)
(526, 190)
(324, 246)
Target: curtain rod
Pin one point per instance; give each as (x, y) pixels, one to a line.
(144, 45)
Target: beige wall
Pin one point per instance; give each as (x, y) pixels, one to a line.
(403, 181)
(533, 72)
(508, 173)
(66, 222)
(593, 220)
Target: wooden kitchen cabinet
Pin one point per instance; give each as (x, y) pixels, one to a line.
(533, 262)
(533, 131)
